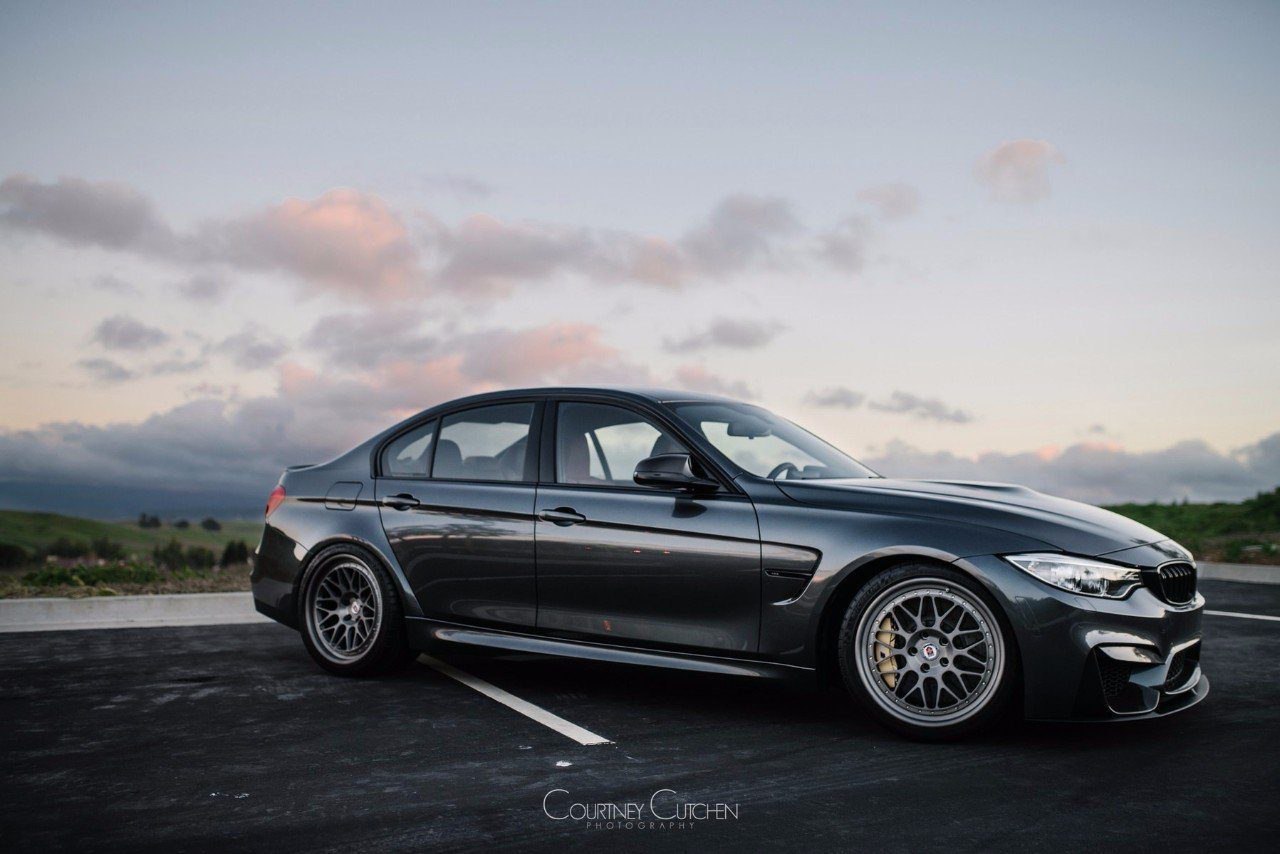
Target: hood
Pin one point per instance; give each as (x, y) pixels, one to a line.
(1067, 525)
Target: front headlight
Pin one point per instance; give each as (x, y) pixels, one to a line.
(1080, 574)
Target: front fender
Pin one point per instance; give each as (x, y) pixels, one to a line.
(848, 543)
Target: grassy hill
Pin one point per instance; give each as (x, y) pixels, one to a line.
(34, 531)
(1246, 532)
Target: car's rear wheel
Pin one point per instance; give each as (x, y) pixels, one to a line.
(922, 648)
(352, 621)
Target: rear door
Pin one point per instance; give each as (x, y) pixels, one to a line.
(456, 497)
(625, 563)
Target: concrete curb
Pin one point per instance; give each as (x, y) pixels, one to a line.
(1251, 573)
(127, 612)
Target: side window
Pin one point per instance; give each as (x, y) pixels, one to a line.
(489, 443)
(409, 454)
(600, 445)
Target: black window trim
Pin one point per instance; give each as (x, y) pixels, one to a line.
(550, 428)
(379, 471)
(532, 453)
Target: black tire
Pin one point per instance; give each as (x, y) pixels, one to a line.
(870, 668)
(383, 647)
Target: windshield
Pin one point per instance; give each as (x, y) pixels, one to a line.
(766, 445)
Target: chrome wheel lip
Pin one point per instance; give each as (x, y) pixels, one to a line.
(344, 609)
(872, 678)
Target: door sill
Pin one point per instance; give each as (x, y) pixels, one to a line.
(425, 634)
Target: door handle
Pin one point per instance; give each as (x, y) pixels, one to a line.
(402, 501)
(562, 516)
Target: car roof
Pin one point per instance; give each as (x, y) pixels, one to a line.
(653, 395)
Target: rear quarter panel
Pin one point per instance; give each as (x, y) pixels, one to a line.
(313, 516)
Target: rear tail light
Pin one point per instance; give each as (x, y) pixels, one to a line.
(275, 499)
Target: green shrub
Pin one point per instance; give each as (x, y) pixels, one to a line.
(67, 548)
(235, 554)
(87, 576)
(198, 557)
(211, 524)
(108, 549)
(13, 555)
(170, 555)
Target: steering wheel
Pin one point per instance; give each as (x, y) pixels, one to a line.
(782, 467)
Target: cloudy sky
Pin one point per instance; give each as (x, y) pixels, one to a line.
(994, 241)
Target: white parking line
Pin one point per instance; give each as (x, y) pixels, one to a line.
(1243, 616)
(524, 707)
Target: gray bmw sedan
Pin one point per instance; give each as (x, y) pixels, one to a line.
(682, 530)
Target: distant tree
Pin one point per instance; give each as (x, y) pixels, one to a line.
(13, 555)
(145, 521)
(182, 524)
(108, 549)
(211, 524)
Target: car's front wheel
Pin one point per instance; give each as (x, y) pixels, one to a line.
(352, 621)
(923, 650)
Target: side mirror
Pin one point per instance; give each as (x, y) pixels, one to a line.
(672, 471)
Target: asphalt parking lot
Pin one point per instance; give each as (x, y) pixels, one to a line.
(229, 737)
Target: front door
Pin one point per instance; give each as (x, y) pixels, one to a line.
(625, 563)
(457, 503)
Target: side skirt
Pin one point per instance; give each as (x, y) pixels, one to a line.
(430, 634)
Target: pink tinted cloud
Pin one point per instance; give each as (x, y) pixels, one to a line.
(1018, 171)
(345, 240)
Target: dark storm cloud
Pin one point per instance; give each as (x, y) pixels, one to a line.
(121, 332)
(1102, 473)
(225, 449)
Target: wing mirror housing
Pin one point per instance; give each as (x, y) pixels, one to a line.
(672, 471)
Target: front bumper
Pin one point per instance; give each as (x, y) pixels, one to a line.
(1083, 657)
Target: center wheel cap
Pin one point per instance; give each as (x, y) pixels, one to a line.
(929, 651)
(355, 608)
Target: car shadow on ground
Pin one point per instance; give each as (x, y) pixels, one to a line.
(617, 698)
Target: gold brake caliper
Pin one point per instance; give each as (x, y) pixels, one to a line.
(884, 658)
